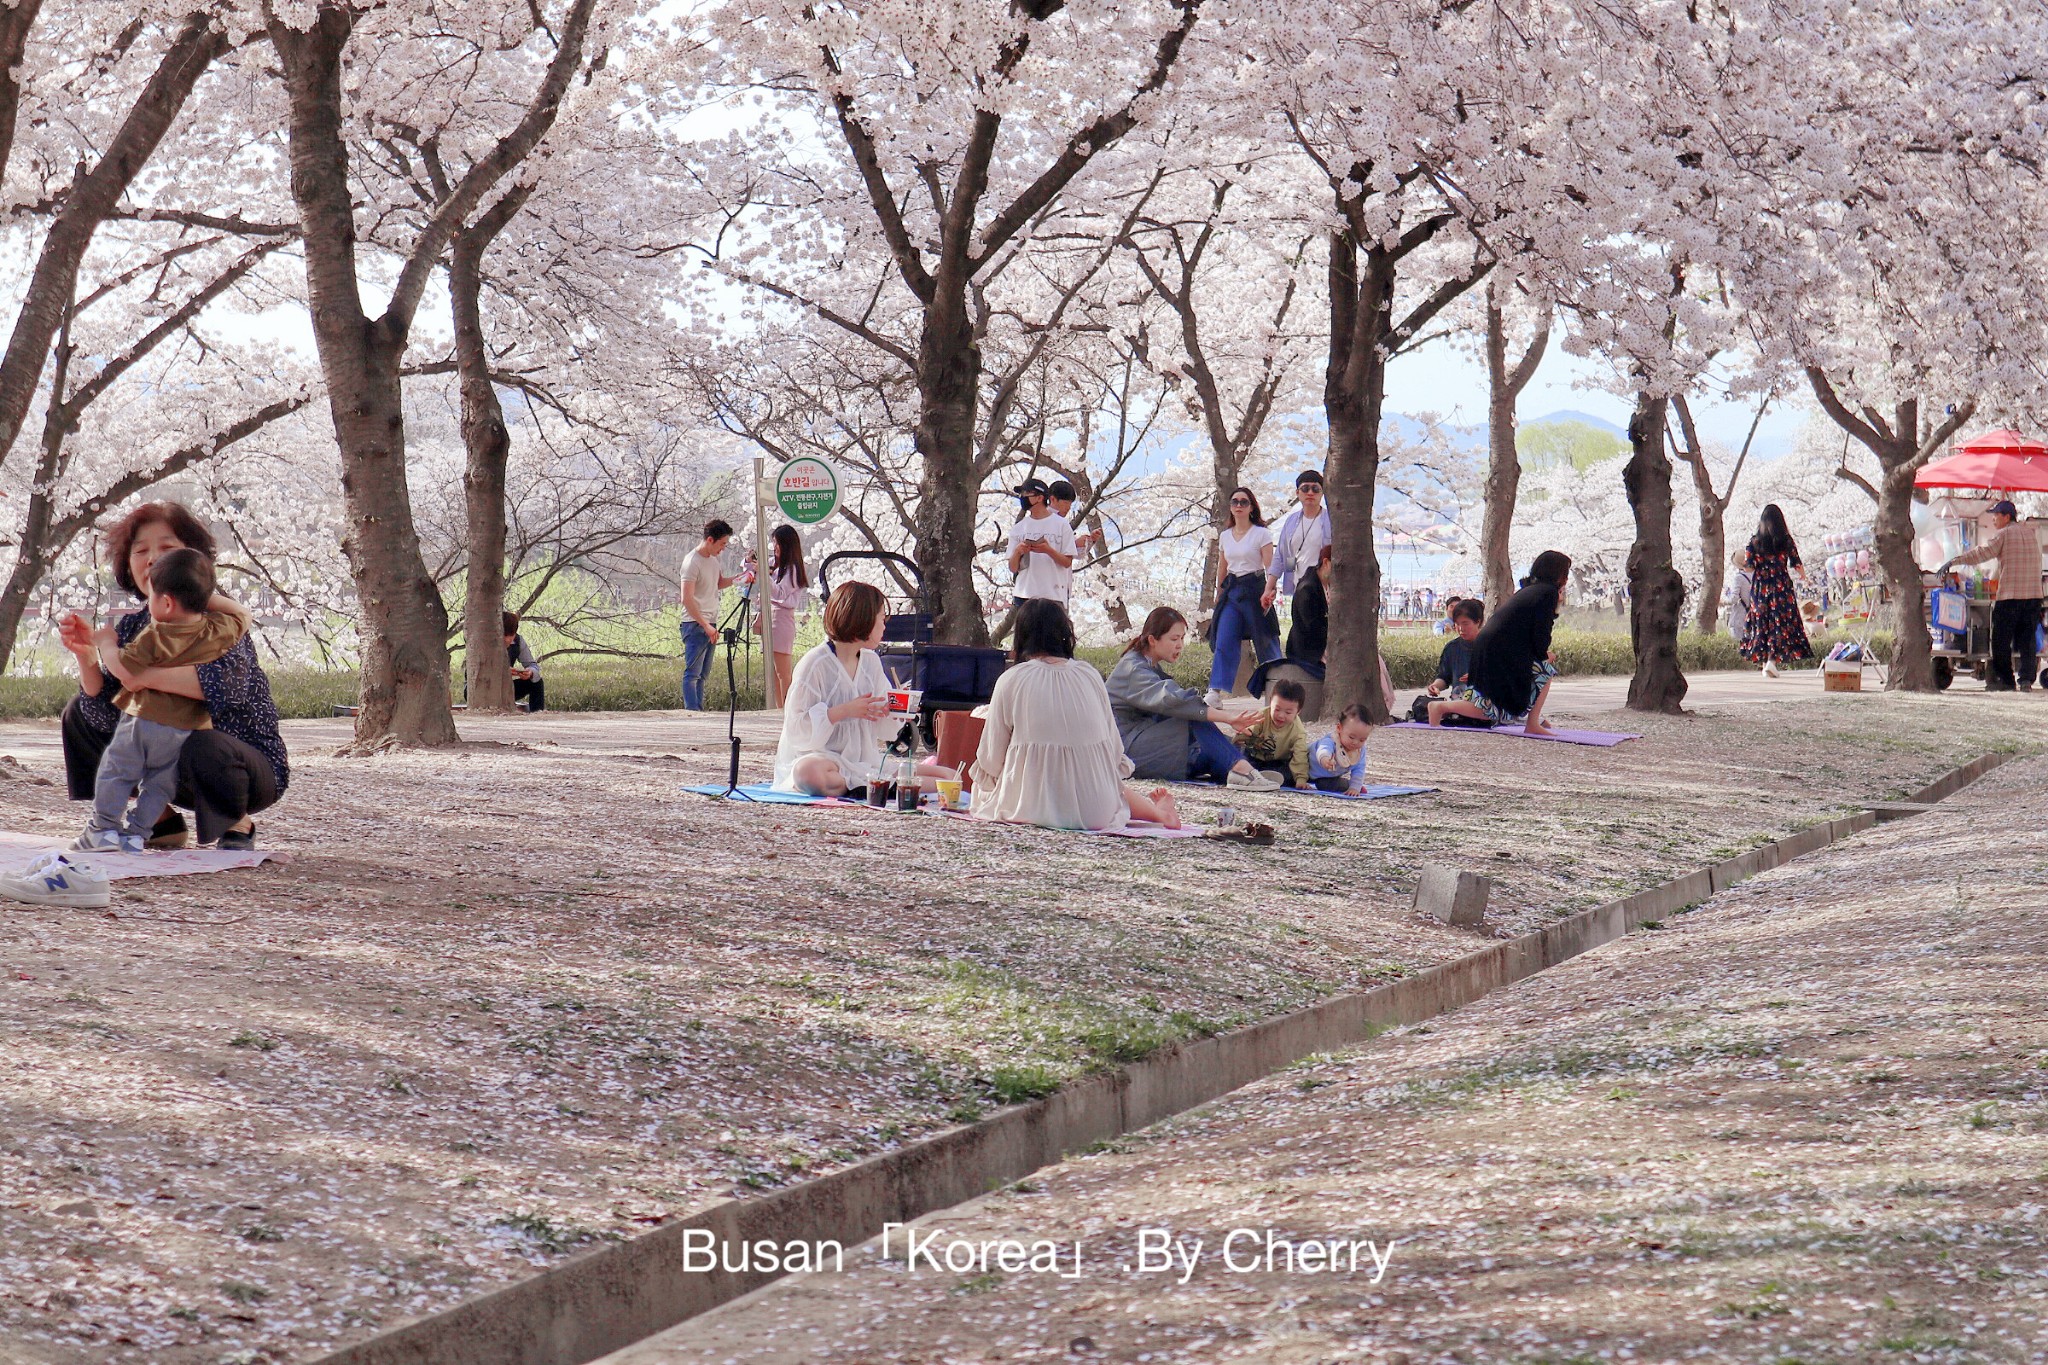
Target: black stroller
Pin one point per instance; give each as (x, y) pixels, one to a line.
(951, 677)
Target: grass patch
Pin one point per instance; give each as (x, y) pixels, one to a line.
(609, 683)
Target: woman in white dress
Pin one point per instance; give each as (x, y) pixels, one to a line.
(838, 698)
(1050, 754)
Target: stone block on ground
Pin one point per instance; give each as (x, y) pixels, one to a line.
(1452, 894)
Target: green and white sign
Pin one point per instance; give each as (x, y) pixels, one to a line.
(807, 490)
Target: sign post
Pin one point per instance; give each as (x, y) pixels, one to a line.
(764, 600)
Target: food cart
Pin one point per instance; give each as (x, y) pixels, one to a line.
(1960, 489)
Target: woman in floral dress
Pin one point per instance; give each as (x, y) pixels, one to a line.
(1776, 634)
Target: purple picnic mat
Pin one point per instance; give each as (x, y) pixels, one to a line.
(1601, 739)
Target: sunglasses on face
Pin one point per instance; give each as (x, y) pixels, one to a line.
(1240, 502)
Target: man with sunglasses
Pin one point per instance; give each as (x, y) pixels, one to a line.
(1303, 534)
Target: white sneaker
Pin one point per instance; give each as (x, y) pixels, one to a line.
(101, 841)
(1214, 697)
(57, 879)
(1253, 781)
(1771, 668)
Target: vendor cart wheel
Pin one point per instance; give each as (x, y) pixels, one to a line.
(1944, 673)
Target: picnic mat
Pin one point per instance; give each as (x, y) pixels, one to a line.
(768, 796)
(18, 850)
(1372, 792)
(1598, 738)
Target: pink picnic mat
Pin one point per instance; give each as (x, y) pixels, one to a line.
(18, 850)
(1134, 830)
(1598, 738)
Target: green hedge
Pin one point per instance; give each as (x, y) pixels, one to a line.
(611, 684)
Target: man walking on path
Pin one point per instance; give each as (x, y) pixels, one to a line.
(1303, 534)
(703, 581)
(2016, 611)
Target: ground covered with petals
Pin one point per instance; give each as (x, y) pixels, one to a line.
(507, 1000)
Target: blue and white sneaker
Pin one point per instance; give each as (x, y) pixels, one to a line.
(57, 879)
(101, 841)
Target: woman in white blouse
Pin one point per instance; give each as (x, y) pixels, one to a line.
(1244, 554)
(1050, 754)
(831, 721)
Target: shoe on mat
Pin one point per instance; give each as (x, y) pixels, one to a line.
(1253, 781)
(57, 879)
(1255, 833)
(238, 840)
(170, 832)
(100, 841)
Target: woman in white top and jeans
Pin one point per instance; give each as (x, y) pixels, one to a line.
(1245, 553)
(831, 721)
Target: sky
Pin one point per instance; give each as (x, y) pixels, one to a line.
(1451, 383)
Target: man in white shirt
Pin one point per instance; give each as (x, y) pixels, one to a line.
(1041, 546)
(1303, 534)
(703, 580)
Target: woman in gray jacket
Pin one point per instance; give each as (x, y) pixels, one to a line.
(1169, 733)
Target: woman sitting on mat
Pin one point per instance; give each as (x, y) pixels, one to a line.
(1512, 666)
(1168, 731)
(1454, 665)
(838, 698)
(1050, 753)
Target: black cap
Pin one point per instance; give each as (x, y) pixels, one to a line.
(1034, 486)
(1062, 490)
(1314, 476)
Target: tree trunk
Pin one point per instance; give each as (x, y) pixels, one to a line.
(1713, 563)
(1901, 448)
(948, 383)
(1503, 463)
(403, 624)
(33, 556)
(1656, 592)
(1912, 667)
(486, 445)
(1354, 391)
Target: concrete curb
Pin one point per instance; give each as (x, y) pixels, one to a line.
(610, 1298)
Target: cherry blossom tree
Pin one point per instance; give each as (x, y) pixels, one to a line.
(405, 660)
(954, 132)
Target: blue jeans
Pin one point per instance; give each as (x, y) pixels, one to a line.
(697, 647)
(1240, 617)
(1211, 755)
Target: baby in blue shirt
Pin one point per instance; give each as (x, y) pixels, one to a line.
(1336, 762)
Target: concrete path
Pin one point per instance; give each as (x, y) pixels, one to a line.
(1808, 1121)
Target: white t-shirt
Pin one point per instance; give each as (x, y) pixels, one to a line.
(701, 570)
(1040, 576)
(1243, 554)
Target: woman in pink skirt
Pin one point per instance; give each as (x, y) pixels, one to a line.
(787, 583)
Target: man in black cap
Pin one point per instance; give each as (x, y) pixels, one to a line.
(2016, 611)
(1041, 546)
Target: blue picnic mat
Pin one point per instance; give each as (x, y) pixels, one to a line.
(759, 791)
(1371, 792)
(763, 794)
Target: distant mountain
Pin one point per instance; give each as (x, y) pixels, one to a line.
(1574, 415)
